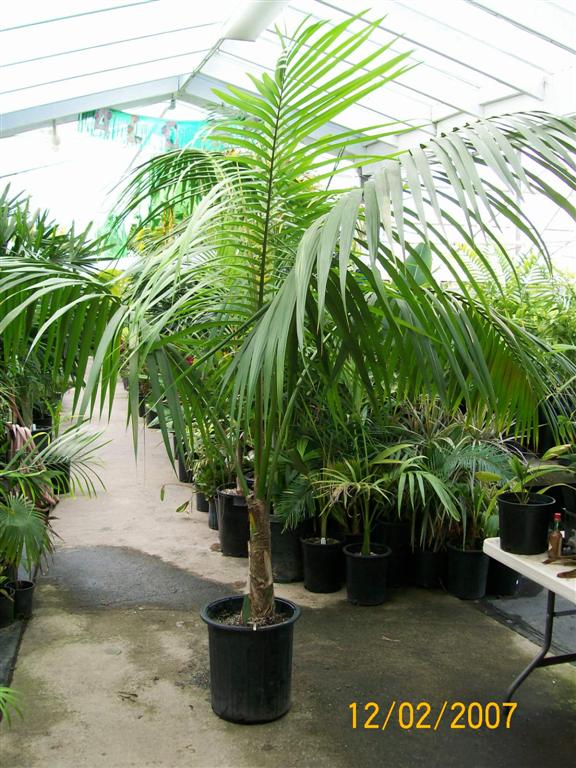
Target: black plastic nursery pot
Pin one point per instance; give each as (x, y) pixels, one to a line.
(428, 568)
(286, 552)
(366, 574)
(201, 502)
(42, 420)
(467, 572)
(152, 419)
(396, 535)
(185, 475)
(250, 670)
(323, 565)
(233, 522)
(502, 580)
(524, 526)
(23, 599)
(212, 515)
(6, 605)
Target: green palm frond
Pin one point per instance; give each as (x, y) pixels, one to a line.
(24, 535)
(9, 704)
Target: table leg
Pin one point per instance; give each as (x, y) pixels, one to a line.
(539, 660)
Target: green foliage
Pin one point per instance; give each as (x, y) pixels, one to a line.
(526, 289)
(24, 536)
(521, 474)
(267, 277)
(9, 704)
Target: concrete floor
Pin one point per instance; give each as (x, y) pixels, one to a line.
(113, 668)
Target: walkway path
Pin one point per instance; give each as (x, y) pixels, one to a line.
(113, 667)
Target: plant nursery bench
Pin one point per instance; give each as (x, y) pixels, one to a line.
(533, 568)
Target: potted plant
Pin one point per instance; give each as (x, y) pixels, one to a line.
(24, 537)
(322, 557)
(467, 563)
(6, 601)
(525, 515)
(210, 472)
(27, 485)
(352, 485)
(186, 457)
(205, 489)
(270, 265)
(295, 507)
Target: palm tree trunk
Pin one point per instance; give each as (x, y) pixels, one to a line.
(261, 580)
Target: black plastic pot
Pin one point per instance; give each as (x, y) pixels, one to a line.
(524, 527)
(396, 535)
(233, 522)
(428, 568)
(152, 416)
(250, 670)
(201, 502)
(366, 574)
(6, 605)
(467, 572)
(286, 552)
(42, 420)
(502, 581)
(185, 475)
(323, 565)
(142, 406)
(212, 515)
(23, 599)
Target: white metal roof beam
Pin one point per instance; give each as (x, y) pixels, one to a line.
(77, 15)
(519, 25)
(102, 71)
(108, 44)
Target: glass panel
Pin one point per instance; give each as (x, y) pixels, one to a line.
(93, 84)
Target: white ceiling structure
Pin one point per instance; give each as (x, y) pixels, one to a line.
(474, 58)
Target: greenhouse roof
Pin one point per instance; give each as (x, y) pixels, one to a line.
(474, 57)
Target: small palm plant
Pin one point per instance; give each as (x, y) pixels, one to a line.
(351, 485)
(521, 475)
(9, 704)
(393, 478)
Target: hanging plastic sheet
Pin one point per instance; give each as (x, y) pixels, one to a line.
(164, 135)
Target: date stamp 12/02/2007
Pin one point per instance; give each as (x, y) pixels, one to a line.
(423, 716)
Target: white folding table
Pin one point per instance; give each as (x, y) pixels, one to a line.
(532, 566)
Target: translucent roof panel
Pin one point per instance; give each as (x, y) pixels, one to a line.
(58, 52)
(473, 57)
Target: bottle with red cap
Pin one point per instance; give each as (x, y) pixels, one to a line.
(555, 539)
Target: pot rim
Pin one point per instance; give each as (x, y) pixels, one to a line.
(348, 550)
(22, 584)
(309, 541)
(471, 551)
(510, 498)
(207, 619)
